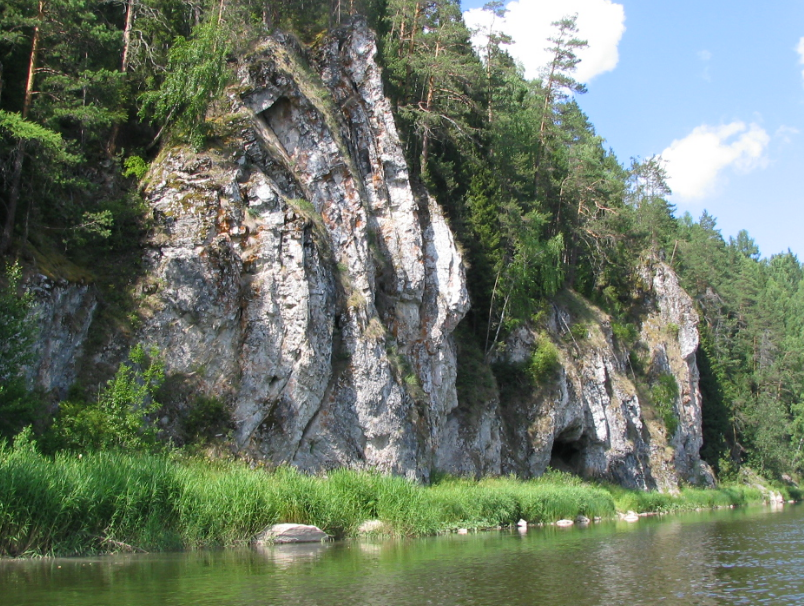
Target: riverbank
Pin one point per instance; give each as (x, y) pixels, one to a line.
(110, 501)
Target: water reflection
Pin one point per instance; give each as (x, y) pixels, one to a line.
(285, 556)
(732, 557)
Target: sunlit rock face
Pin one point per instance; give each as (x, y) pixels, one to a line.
(595, 416)
(294, 273)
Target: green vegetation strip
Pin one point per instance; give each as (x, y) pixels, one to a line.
(113, 501)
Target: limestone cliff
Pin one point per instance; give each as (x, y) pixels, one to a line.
(597, 415)
(294, 273)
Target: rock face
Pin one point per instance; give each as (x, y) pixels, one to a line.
(671, 333)
(62, 313)
(296, 275)
(595, 417)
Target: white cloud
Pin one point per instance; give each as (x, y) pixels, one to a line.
(600, 22)
(704, 55)
(800, 51)
(695, 164)
(786, 133)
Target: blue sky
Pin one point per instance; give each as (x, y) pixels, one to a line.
(715, 86)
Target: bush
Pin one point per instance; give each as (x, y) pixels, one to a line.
(207, 417)
(624, 333)
(664, 394)
(134, 166)
(17, 407)
(579, 331)
(544, 361)
(121, 416)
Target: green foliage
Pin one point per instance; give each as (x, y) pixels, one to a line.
(664, 394)
(504, 501)
(207, 418)
(134, 166)
(121, 501)
(475, 382)
(17, 330)
(688, 499)
(626, 334)
(121, 418)
(751, 317)
(545, 360)
(51, 143)
(196, 74)
(432, 70)
(715, 412)
(579, 331)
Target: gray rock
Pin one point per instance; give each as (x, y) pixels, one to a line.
(309, 285)
(589, 420)
(373, 527)
(291, 533)
(62, 314)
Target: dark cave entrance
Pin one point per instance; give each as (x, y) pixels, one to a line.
(568, 453)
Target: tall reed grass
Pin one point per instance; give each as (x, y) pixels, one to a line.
(112, 501)
(687, 499)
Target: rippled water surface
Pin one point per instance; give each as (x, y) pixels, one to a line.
(728, 557)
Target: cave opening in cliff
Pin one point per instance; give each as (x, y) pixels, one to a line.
(567, 455)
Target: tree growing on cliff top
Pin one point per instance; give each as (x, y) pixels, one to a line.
(196, 74)
(557, 77)
(433, 71)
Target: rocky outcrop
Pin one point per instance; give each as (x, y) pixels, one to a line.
(670, 334)
(596, 416)
(294, 273)
(282, 534)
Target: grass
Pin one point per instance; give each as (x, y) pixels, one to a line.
(688, 499)
(112, 501)
(504, 501)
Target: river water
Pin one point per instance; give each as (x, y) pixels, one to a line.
(753, 556)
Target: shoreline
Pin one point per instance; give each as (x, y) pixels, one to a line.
(112, 502)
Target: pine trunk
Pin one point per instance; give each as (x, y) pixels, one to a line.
(123, 67)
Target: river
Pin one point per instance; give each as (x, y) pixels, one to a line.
(749, 556)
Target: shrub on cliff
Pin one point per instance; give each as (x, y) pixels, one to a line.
(121, 416)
